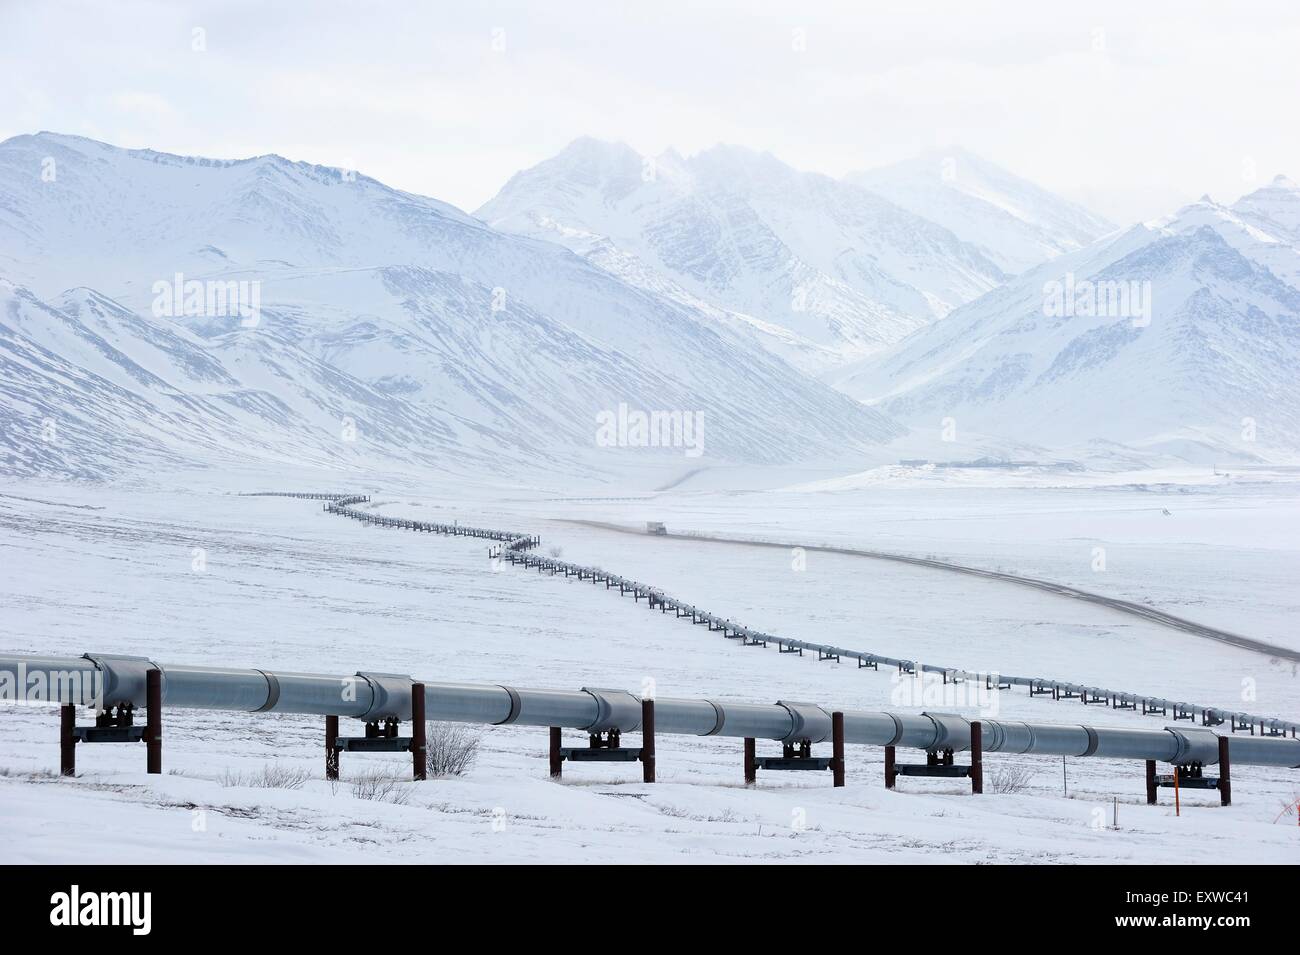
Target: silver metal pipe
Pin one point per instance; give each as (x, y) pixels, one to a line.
(373, 696)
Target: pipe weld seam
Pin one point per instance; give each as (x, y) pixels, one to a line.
(898, 730)
(514, 706)
(1092, 741)
(272, 691)
(719, 717)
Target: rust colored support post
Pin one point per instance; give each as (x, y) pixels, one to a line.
(153, 721)
(837, 748)
(1151, 782)
(1225, 773)
(557, 764)
(419, 745)
(751, 765)
(67, 741)
(977, 758)
(648, 741)
(890, 775)
(331, 747)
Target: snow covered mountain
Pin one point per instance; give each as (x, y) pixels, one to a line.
(91, 389)
(1181, 336)
(1274, 210)
(817, 270)
(1012, 221)
(434, 335)
(1249, 226)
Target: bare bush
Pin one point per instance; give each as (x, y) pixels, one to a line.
(450, 749)
(270, 776)
(557, 552)
(1010, 779)
(381, 787)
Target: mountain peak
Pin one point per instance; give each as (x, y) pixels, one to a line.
(939, 156)
(1204, 212)
(1281, 188)
(45, 139)
(727, 164)
(585, 160)
(580, 144)
(814, 269)
(1011, 220)
(50, 135)
(743, 156)
(1274, 209)
(589, 149)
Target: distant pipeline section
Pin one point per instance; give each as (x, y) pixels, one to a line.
(516, 548)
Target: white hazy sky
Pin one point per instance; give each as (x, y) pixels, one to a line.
(1129, 107)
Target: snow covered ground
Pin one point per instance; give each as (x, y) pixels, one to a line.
(285, 586)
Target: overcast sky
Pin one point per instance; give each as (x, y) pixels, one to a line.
(1131, 108)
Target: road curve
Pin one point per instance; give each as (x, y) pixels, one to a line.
(1160, 617)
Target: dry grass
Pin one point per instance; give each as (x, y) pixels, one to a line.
(270, 776)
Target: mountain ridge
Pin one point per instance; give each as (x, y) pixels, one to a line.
(839, 270)
(1017, 223)
(1209, 372)
(522, 342)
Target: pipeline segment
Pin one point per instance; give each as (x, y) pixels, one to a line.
(375, 696)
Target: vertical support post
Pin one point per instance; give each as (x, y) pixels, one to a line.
(977, 758)
(1225, 773)
(419, 744)
(557, 764)
(1178, 805)
(331, 747)
(648, 741)
(890, 775)
(1151, 782)
(751, 764)
(837, 748)
(153, 721)
(67, 741)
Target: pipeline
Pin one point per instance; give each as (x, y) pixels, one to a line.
(373, 696)
(515, 549)
(304, 495)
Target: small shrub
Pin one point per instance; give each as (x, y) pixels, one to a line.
(1010, 779)
(381, 787)
(451, 749)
